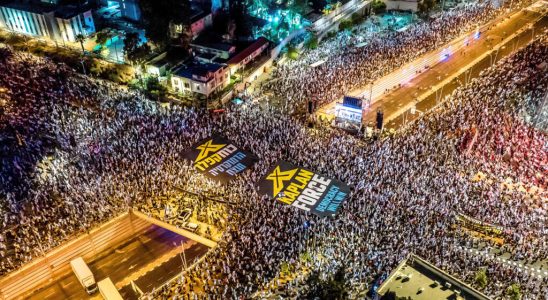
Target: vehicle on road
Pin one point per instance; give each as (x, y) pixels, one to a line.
(84, 275)
(183, 216)
(192, 227)
(108, 290)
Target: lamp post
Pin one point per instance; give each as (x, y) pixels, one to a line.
(184, 254)
(83, 66)
(370, 93)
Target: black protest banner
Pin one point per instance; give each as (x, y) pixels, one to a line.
(304, 189)
(219, 159)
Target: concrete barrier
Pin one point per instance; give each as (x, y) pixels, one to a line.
(55, 264)
(198, 238)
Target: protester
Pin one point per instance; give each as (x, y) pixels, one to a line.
(76, 152)
(353, 62)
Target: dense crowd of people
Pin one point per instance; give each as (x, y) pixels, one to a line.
(75, 152)
(407, 192)
(352, 62)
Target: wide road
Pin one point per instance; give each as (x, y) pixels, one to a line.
(128, 259)
(426, 87)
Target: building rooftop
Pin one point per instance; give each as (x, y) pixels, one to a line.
(61, 11)
(248, 50)
(213, 45)
(197, 69)
(197, 14)
(416, 278)
(70, 11)
(159, 60)
(29, 6)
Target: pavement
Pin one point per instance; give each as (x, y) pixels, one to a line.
(129, 260)
(425, 89)
(430, 92)
(164, 272)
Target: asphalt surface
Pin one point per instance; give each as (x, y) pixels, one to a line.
(164, 272)
(126, 259)
(392, 104)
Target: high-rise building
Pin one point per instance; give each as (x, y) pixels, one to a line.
(59, 23)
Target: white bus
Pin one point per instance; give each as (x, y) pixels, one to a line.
(84, 275)
(108, 290)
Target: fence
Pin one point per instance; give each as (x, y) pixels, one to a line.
(55, 263)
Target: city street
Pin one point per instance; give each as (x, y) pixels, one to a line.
(127, 259)
(421, 87)
(261, 183)
(396, 103)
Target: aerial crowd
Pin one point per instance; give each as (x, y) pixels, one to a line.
(76, 152)
(352, 62)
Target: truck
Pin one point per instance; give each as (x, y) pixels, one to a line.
(84, 275)
(108, 290)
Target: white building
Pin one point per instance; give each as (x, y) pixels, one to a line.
(201, 78)
(61, 24)
(28, 19)
(72, 21)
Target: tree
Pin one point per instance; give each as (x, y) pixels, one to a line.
(238, 14)
(335, 288)
(155, 88)
(379, 7)
(102, 37)
(136, 53)
(160, 15)
(312, 42)
(514, 291)
(356, 18)
(292, 52)
(425, 6)
(285, 268)
(81, 39)
(299, 6)
(390, 295)
(481, 278)
(345, 24)
(313, 282)
(131, 42)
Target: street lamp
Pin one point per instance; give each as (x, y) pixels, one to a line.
(183, 256)
(370, 93)
(83, 66)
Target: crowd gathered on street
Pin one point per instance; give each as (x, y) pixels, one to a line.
(76, 152)
(353, 62)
